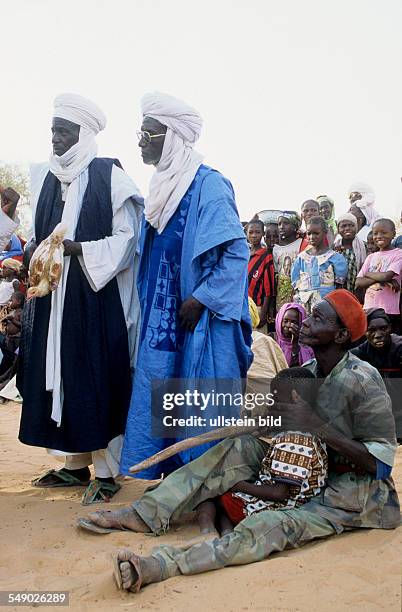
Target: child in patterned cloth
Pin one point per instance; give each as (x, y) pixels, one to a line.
(294, 469)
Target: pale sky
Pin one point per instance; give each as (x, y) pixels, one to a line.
(298, 97)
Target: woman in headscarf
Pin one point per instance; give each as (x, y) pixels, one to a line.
(362, 199)
(351, 247)
(268, 356)
(327, 211)
(287, 325)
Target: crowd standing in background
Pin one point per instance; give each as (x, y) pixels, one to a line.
(167, 287)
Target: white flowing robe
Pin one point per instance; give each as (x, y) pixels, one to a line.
(116, 255)
(102, 260)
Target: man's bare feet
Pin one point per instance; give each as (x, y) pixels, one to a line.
(125, 518)
(133, 572)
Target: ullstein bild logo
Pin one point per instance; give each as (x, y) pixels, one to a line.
(221, 421)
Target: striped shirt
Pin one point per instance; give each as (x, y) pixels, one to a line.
(261, 276)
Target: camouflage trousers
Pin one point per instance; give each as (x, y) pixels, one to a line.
(212, 474)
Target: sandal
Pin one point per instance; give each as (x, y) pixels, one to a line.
(66, 480)
(88, 525)
(98, 492)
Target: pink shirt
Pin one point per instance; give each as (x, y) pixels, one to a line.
(382, 296)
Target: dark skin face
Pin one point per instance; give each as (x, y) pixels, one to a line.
(151, 153)
(371, 247)
(287, 232)
(8, 273)
(315, 235)
(360, 218)
(325, 210)
(15, 302)
(255, 234)
(322, 328)
(291, 323)
(272, 235)
(65, 134)
(355, 195)
(378, 333)
(309, 209)
(383, 234)
(347, 230)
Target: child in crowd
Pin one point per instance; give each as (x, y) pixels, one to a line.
(285, 253)
(9, 342)
(317, 270)
(13, 321)
(288, 323)
(10, 281)
(271, 236)
(351, 247)
(294, 469)
(327, 212)
(261, 273)
(381, 274)
(371, 247)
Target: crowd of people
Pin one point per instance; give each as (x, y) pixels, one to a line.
(171, 286)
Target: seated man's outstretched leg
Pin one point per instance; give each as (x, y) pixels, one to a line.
(254, 539)
(208, 476)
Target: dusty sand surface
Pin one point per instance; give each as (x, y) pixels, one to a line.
(42, 549)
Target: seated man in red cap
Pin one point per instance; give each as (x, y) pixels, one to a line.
(353, 417)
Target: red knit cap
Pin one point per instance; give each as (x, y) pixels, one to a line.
(350, 312)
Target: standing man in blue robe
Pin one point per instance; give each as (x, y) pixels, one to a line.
(192, 277)
(79, 343)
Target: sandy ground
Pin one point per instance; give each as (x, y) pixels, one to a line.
(42, 549)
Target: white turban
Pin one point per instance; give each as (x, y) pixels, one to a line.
(91, 120)
(80, 110)
(366, 205)
(179, 162)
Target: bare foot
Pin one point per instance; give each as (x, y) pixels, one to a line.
(126, 518)
(225, 524)
(132, 572)
(206, 514)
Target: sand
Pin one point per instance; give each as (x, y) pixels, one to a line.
(41, 549)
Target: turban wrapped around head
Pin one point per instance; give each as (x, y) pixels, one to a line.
(292, 216)
(255, 317)
(179, 163)
(91, 120)
(350, 312)
(177, 115)
(81, 111)
(12, 264)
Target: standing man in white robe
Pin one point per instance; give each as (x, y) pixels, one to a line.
(79, 342)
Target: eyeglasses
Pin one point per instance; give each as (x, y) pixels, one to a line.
(147, 137)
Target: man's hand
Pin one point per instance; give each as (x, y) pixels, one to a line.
(9, 201)
(190, 313)
(72, 248)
